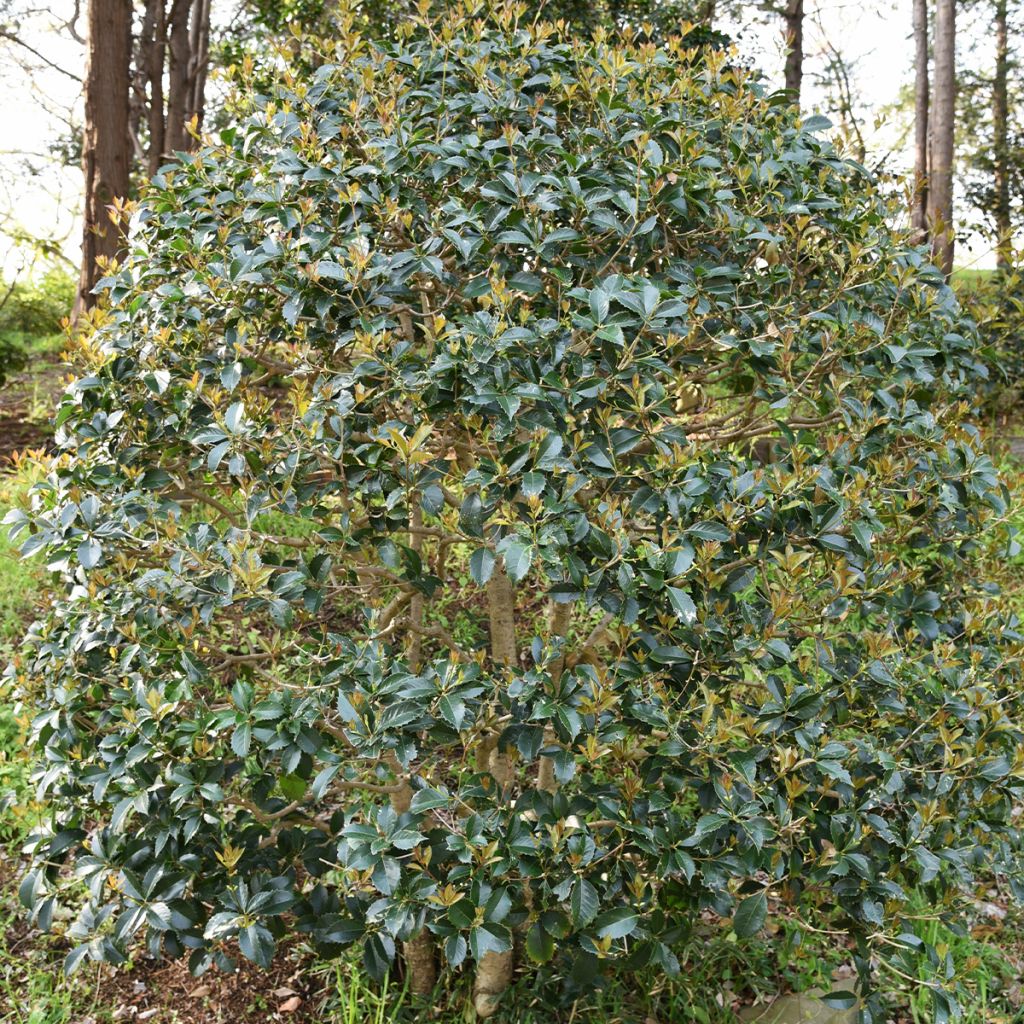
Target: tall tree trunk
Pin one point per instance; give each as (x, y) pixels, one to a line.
(793, 19)
(178, 92)
(106, 147)
(1000, 146)
(199, 60)
(919, 205)
(156, 54)
(943, 109)
(139, 99)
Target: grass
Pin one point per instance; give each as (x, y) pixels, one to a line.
(989, 978)
(971, 277)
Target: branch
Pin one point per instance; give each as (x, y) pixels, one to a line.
(72, 21)
(12, 38)
(228, 513)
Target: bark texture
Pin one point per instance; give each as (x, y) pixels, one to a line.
(559, 619)
(494, 972)
(106, 148)
(942, 117)
(919, 203)
(1000, 143)
(793, 20)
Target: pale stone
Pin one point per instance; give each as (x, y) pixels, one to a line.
(802, 1008)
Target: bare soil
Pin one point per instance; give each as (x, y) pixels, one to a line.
(165, 993)
(27, 403)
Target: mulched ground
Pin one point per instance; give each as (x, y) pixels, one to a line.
(165, 993)
(27, 401)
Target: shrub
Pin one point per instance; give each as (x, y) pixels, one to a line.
(995, 304)
(12, 357)
(587, 352)
(30, 310)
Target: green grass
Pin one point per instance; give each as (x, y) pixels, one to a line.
(971, 277)
(988, 975)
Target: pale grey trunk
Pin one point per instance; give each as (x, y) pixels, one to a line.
(942, 117)
(1000, 145)
(919, 204)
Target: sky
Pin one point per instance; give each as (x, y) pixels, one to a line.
(37, 194)
(42, 198)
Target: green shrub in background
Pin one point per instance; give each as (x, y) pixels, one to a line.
(12, 358)
(996, 304)
(608, 354)
(32, 309)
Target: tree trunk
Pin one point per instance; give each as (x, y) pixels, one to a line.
(199, 60)
(793, 18)
(919, 204)
(139, 100)
(155, 57)
(176, 138)
(418, 950)
(494, 971)
(559, 619)
(940, 176)
(106, 147)
(1000, 146)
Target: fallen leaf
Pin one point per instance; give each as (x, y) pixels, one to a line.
(290, 1005)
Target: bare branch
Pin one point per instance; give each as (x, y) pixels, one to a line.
(12, 38)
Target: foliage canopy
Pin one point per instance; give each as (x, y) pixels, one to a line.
(521, 486)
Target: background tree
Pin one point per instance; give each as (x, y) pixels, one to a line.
(172, 42)
(990, 131)
(106, 146)
(837, 78)
(144, 100)
(1000, 140)
(919, 200)
(942, 122)
(793, 22)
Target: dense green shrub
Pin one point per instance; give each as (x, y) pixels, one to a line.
(997, 307)
(31, 310)
(521, 487)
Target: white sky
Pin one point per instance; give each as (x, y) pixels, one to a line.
(874, 40)
(36, 194)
